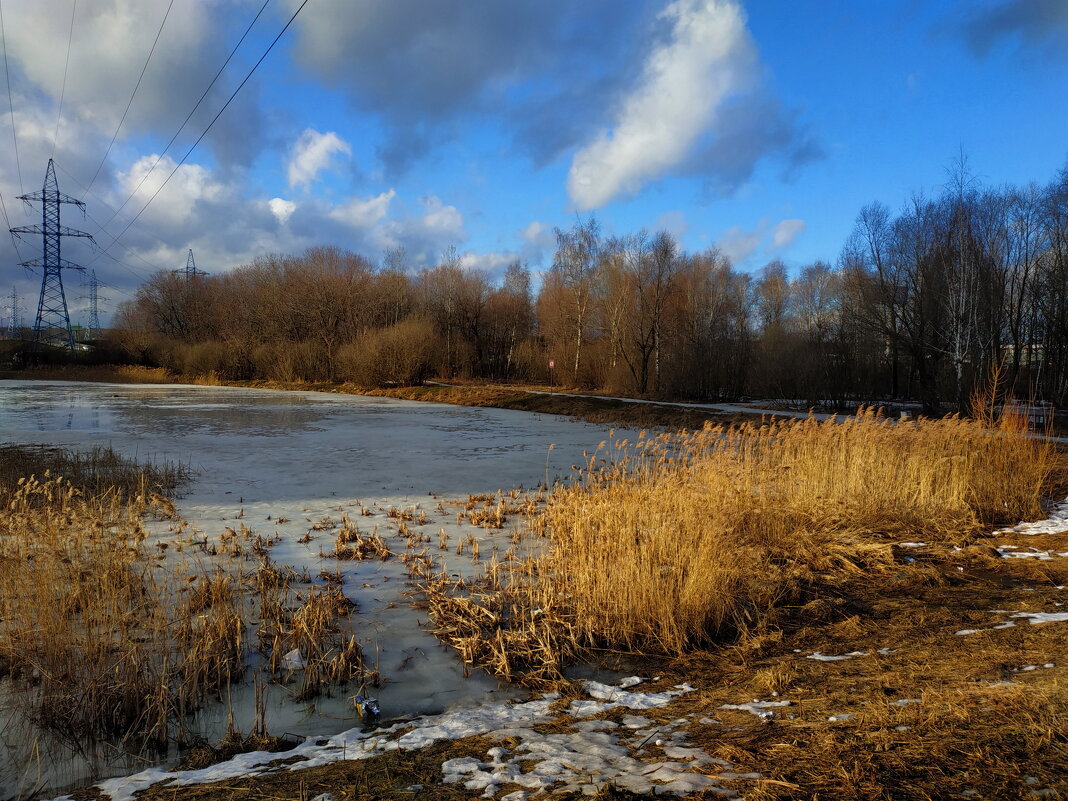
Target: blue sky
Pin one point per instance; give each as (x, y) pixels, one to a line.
(760, 126)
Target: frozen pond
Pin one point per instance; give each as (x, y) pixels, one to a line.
(264, 457)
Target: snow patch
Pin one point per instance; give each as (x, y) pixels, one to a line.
(611, 697)
(827, 658)
(1042, 617)
(1056, 523)
(762, 709)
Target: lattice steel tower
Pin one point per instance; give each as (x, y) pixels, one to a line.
(53, 320)
(13, 323)
(190, 270)
(93, 328)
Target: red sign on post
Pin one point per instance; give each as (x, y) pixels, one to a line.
(552, 364)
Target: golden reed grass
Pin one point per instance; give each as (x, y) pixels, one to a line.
(101, 636)
(675, 540)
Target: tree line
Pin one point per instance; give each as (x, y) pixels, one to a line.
(921, 304)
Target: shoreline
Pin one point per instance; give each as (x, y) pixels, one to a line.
(591, 408)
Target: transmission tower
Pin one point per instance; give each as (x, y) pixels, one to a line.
(190, 270)
(13, 323)
(93, 285)
(53, 320)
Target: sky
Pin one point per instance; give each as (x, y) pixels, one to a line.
(411, 127)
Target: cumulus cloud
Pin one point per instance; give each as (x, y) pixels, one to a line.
(281, 209)
(698, 107)
(784, 234)
(707, 56)
(445, 219)
(312, 153)
(539, 240)
(537, 233)
(492, 262)
(191, 184)
(111, 41)
(363, 212)
(674, 222)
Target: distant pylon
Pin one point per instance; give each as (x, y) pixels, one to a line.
(190, 270)
(52, 325)
(93, 328)
(13, 323)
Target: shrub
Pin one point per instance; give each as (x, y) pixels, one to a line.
(399, 355)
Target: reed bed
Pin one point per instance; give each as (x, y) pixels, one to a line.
(674, 541)
(102, 636)
(94, 472)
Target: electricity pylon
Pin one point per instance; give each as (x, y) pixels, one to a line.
(53, 320)
(93, 328)
(13, 323)
(190, 270)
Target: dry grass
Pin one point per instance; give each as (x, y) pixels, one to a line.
(676, 541)
(102, 636)
(85, 626)
(110, 373)
(95, 472)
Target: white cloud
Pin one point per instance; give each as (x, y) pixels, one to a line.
(191, 184)
(538, 234)
(312, 153)
(443, 219)
(487, 262)
(281, 209)
(363, 212)
(738, 244)
(784, 234)
(708, 56)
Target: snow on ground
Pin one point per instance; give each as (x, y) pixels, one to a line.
(819, 657)
(596, 753)
(1056, 523)
(1034, 618)
(610, 697)
(765, 710)
(1018, 552)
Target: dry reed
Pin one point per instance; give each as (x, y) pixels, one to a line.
(677, 540)
(101, 636)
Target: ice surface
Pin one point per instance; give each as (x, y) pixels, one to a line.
(283, 461)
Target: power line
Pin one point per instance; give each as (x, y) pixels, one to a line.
(132, 96)
(10, 104)
(100, 248)
(63, 91)
(214, 120)
(189, 116)
(7, 222)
